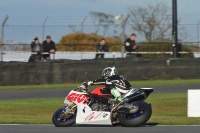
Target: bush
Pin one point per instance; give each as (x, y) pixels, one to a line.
(86, 42)
(162, 48)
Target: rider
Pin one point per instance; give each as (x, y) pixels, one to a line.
(110, 76)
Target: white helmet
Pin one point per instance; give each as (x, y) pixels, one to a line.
(108, 72)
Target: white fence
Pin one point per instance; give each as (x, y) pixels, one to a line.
(24, 56)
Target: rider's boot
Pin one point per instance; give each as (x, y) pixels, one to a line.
(118, 98)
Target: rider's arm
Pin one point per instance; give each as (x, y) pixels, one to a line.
(99, 82)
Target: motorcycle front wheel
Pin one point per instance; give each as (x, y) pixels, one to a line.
(137, 119)
(62, 119)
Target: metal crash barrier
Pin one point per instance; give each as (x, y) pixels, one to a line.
(128, 54)
(99, 55)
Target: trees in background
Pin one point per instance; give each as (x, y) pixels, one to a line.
(103, 20)
(153, 22)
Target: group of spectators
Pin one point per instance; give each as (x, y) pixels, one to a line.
(130, 44)
(42, 51)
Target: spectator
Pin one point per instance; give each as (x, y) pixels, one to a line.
(130, 44)
(35, 47)
(48, 46)
(102, 47)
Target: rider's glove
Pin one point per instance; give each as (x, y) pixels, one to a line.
(89, 83)
(86, 84)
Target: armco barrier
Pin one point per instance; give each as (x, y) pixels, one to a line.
(65, 71)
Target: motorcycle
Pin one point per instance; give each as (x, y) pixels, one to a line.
(85, 107)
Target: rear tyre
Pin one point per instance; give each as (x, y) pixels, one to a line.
(60, 119)
(137, 119)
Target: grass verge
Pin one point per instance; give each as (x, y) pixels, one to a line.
(169, 109)
(134, 83)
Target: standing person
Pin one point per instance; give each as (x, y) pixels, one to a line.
(101, 47)
(48, 46)
(130, 44)
(35, 47)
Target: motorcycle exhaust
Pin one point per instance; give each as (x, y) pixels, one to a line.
(135, 95)
(111, 112)
(132, 97)
(135, 98)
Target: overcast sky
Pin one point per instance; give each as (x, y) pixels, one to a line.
(38, 10)
(66, 12)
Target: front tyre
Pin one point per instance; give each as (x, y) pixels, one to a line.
(137, 119)
(62, 119)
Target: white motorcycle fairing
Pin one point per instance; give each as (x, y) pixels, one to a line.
(85, 115)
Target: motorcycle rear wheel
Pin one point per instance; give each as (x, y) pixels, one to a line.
(137, 119)
(60, 119)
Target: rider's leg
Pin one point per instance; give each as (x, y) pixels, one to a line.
(116, 94)
(118, 97)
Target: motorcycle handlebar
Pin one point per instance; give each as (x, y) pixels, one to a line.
(82, 88)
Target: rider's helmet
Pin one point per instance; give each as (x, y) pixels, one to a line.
(108, 72)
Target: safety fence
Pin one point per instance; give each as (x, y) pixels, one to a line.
(24, 56)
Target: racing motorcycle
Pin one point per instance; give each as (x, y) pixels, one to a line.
(96, 107)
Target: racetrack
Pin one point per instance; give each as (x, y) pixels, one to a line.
(97, 129)
(61, 93)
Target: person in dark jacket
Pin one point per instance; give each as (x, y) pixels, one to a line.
(130, 44)
(35, 47)
(48, 46)
(101, 47)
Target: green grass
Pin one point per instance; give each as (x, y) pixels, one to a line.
(133, 83)
(170, 109)
(29, 111)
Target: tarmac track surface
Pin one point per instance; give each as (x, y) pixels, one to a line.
(97, 129)
(62, 93)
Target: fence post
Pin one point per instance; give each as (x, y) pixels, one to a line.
(82, 24)
(2, 35)
(198, 37)
(43, 28)
(123, 33)
(175, 27)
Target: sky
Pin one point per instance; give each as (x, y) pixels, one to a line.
(38, 10)
(65, 12)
